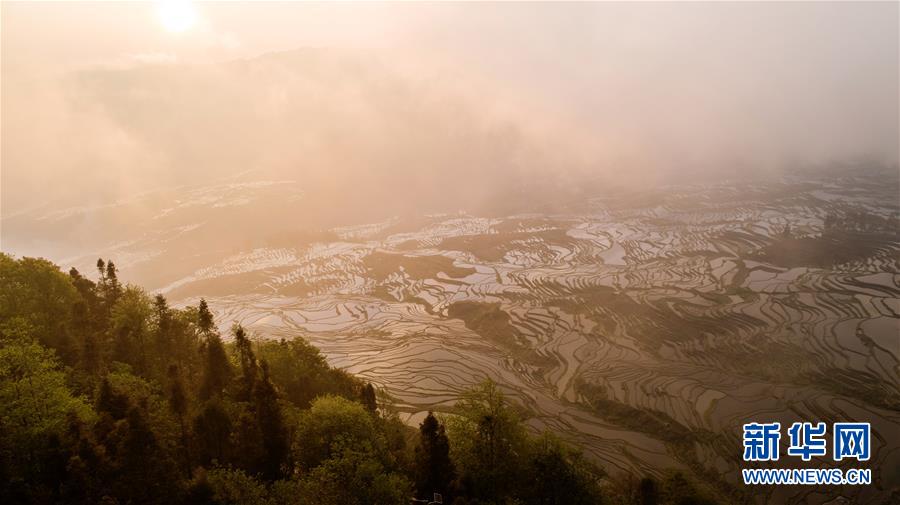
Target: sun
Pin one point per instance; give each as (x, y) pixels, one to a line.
(176, 15)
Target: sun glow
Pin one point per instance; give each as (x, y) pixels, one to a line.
(176, 15)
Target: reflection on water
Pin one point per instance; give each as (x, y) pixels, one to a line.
(645, 335)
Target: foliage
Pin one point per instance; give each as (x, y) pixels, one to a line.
(35, 291)
(36, 405)
(302, 373)
(499, 461)
(330, 425)
(236, 487)
(487, 441)
(434, 469)
(355, 477)
(111, 395)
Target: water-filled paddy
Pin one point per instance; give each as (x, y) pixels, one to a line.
(647, 335)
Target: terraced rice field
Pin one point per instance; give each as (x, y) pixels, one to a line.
(646, 334)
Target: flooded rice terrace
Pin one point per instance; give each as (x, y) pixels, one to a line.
(646, 334)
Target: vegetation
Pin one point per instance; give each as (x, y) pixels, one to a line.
(109, 395)
(846, 237)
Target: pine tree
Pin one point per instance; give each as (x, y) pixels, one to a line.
(109, 286)
(112, 278)
(163, 332)
(101, 269)
(204, 318)
(212, 432)
(216, 367)
(87, 322)
(434, 469)
(248, 360)
(271, 426)
(178, 402)
(216, 370)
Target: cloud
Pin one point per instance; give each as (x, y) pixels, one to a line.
(464, 110)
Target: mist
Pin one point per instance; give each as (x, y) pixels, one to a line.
(380, 109)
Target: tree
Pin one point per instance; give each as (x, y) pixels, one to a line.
(488, 443)
(247, 360)
(216, 369)
(108, 286)
(433, 468)
(143, 470)
(205, 318)
(558, 475)
(138, 356)
(331, 424)
(36, 291)
(235, 487)
(678, 490)
(113, 288)
(367, 398)
(35, 407)
(87, 323)
(178, 402)
(163, 331)
(129, 323)
(86, 288)
(248, 452)
(353, 477)
(216, 366)
(301, 372)
(89, 355)
(212, 430)
(271, 426)
(110, 401)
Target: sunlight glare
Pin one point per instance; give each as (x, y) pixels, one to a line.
(176, 15)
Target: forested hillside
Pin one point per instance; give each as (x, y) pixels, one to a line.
(109, 395)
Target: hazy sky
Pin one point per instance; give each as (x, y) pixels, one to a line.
(101, 100)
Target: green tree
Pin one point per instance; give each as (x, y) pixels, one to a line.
(36, 291)
(331, 424)
(487, 443)
(235, 487)
(301, 372)
(35, 408)
(354, 477)
(130, 325)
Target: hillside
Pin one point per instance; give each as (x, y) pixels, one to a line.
(109, 395)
